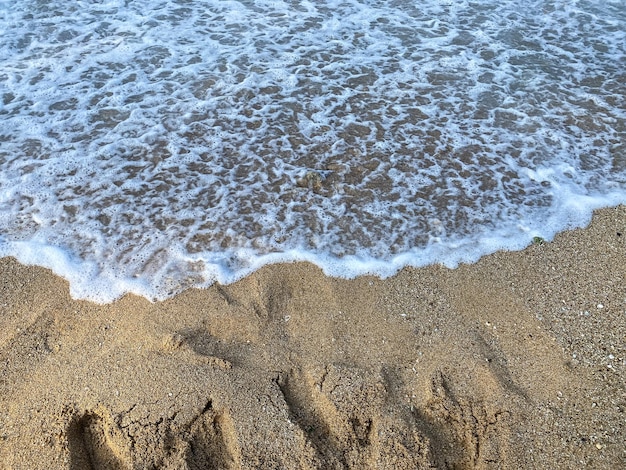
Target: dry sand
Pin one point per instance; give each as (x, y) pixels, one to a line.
(517, 361)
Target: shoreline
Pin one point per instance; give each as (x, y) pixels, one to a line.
(515, 361)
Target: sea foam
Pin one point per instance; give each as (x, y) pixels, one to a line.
(153, 146)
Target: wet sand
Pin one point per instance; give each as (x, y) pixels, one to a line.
(517, 361)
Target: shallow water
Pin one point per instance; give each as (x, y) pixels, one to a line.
(150, 146)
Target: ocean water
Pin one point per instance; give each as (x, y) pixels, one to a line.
(149, 146)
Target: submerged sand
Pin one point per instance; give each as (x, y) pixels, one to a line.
(517, 361)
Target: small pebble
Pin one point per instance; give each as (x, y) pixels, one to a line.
(599, 446)
(600, 306)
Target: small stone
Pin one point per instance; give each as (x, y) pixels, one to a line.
(311, 180)
(538, 241)
(599, 446)
(600, 306)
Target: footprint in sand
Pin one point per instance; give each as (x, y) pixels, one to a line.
(213, 442)
(95, 444)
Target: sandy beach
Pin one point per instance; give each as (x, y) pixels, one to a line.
(517, 361)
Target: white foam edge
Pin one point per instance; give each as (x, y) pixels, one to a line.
(87, 282)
